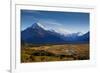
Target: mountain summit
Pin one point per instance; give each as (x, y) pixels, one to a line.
(37, 34)
(37, 25)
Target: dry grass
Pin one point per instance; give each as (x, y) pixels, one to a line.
(45, 53)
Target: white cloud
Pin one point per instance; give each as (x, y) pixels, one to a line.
(52, 25)
(62, 31)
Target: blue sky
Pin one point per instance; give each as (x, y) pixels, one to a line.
(63, 22)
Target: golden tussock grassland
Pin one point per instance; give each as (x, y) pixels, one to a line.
(54, 52)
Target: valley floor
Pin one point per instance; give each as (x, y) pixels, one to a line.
(46, 53)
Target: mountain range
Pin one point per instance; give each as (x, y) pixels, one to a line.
(36, 34)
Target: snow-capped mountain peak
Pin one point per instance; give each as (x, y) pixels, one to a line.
(36, 25)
